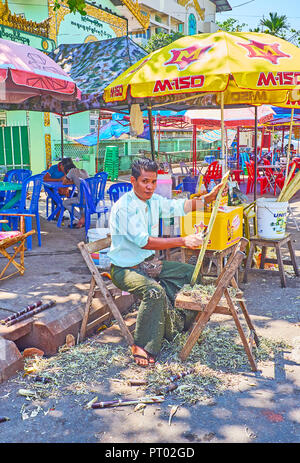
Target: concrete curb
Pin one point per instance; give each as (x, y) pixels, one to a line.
(46, 331)
(11, 359)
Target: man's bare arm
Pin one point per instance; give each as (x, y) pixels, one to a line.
(197, 203)
(190, 241)
(47, 178)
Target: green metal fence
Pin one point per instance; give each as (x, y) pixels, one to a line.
(14, 147)
(177, 148)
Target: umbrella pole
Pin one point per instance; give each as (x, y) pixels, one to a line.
(62, 136)
(226, 148)
(255, 152)
(98, 141)
(159, 134)
(194, 149)
(150, 118)
(262, 141)
(238, 148)
(289, 145)
(224, 166)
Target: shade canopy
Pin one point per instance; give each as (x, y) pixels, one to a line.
(27, 73)
(283, 122)
(92, 65)
(246, 67)
(112, 129)
(233, 117)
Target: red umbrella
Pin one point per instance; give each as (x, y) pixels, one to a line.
(26, 72)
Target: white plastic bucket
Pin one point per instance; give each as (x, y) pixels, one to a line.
(271, 218)
(95, 234)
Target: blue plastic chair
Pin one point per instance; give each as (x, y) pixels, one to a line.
(101, 186)
(18, 175)
(90, 207)
(33, 185)
(97, 186)
(117, 190)
(243, 158)
(13, 176)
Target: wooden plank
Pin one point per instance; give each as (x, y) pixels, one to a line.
(240, 330)
(87, 310)
(188, 302)
(104, 318)
(280, 265)
(293, 258)
(98, 245)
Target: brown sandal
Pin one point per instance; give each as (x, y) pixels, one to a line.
(142, 358)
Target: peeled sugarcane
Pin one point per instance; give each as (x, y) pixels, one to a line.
(286, 183)
(209, 229)
(121, 402)
(290, 189)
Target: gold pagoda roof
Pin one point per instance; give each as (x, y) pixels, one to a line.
(18, 22)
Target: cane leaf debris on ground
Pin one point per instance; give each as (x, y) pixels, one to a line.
(218, 360)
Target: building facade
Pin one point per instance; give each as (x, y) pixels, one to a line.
(39, 25)
(186, 16)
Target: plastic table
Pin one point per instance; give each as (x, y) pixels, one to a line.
(9, 186)
(51, 188)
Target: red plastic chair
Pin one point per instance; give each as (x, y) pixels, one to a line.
(235, 175)
(262, 180)
(214, 172)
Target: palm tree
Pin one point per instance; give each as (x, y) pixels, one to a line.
(275, 24)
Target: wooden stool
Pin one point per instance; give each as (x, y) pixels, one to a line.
(215, 305)
(99, 287)
(216, 257)
(272, 243)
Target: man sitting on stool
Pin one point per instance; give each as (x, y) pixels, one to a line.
(134, 228)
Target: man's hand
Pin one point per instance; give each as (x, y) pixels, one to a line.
(211, 196)
(193, 241)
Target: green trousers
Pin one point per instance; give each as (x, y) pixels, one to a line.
(156, 318)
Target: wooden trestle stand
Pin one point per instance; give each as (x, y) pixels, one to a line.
(206, 310)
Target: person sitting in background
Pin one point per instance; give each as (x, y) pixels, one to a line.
(72, 177)
(55, 173)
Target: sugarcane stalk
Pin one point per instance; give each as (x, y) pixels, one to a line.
(286, 183)
(169, 388)
(181, 375)
(174, 385)
(31, 313)
(292, 188)
(121, 403)
(3, 419)
(29, 308)
(209, 230)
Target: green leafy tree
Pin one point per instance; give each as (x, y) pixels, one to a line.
(161, 40)
(275, 24)
(74, 6)
(231, 25)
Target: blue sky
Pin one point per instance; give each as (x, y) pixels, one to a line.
(252, 12)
